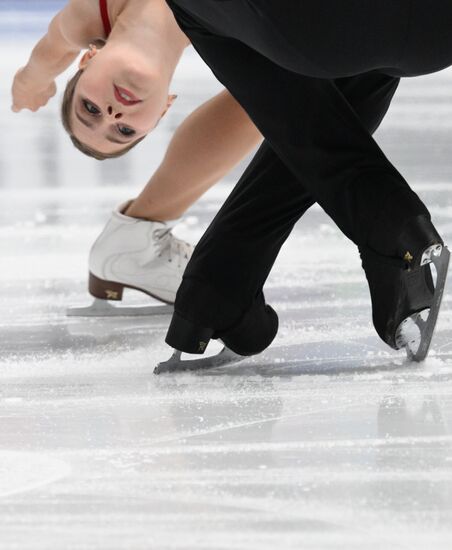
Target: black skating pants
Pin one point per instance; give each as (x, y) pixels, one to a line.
(235, 255)
(318, 147)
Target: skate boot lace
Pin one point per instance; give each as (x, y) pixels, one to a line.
(174, 249)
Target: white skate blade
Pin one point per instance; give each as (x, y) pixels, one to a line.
(176, 364)
(103, 308)
(415, 333)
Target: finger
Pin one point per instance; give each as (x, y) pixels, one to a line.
(15, 109)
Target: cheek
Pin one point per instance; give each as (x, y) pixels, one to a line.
(145, 118)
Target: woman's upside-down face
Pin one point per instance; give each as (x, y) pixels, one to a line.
(117, 100)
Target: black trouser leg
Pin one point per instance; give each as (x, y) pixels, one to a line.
(315, 130)
(234, 257)
(319, 147)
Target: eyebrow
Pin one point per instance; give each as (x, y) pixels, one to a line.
(110, 138)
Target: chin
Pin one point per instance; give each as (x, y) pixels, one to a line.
(138, 72)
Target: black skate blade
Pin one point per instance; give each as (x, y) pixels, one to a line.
(176, 364)
(417, 348)
(103, 308)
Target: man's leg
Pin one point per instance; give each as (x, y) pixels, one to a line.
(316, 132)
(234, 257)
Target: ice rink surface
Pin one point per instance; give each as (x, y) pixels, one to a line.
(328, 440)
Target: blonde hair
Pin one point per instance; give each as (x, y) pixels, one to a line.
(66, 111)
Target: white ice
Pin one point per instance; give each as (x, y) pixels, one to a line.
(328, 440)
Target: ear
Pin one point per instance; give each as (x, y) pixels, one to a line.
(170, 101)
(87, 56)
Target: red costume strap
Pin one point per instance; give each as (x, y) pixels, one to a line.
(104, 15)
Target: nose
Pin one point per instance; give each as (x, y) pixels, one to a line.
(111, 112)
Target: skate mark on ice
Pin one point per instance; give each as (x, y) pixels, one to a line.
(323, 517)
(239, 425)
(274, 447)
(21, 472)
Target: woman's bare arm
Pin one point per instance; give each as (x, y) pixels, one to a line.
(34, 84)
(204, 148)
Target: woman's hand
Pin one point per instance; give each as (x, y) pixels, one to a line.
(29, 92)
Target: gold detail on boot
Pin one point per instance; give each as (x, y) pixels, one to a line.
(202, 346)
(111, 294)
(408, 257)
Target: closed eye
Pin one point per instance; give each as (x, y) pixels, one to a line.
(125, 130)
(94, 110)
(91, 108)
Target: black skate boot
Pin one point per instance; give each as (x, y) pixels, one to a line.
(254, 332)
(406, 292)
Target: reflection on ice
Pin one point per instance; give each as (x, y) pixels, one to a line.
(402, 417)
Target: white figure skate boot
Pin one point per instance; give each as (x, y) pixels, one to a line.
(137, 254)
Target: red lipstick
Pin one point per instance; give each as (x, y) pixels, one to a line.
(132, 99)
